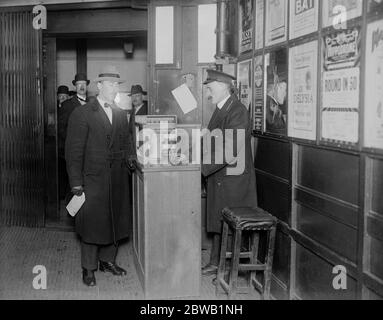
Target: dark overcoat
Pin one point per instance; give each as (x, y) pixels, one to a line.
(63, 117)
(223, 188)
(96, 154)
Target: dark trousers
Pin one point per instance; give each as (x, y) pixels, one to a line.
(91, 254)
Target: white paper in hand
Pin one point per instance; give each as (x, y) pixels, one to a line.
(75, 204)
(185, 98)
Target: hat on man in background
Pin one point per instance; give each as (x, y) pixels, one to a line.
(219, 76)
(62, 90)
(109, 73)
(137, 89)
(80, 77)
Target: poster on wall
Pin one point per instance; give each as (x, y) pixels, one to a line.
(302, 112)
(276, 104)
(244, 79)
(373, 126)
(276, 21)
(259, 18)
(336, 12)
(245, 25)
(258, 94)
(340, 106)
(304, 16)
(340, 86)
(375, 5)
(342, 49)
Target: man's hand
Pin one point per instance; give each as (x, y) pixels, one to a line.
(78, 191)
(131, 163)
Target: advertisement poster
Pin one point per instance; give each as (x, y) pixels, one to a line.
(258, 93)
(276, 73)
(276, 21)
(302, 112)
(259, 14)
(374, 87)
(244, 83)
(340, 109)
(375, 5)
(337, 11)
(342, 49)
(304, 16)
(245, 25)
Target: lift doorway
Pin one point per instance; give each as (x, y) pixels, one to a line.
(82, 50)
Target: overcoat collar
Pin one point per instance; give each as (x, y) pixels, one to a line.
(220, 114)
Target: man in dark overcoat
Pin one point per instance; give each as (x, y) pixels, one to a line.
(80, 98)
(99, 153)
(230, 181)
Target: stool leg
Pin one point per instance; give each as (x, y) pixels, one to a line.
(235, 264)
(222, 257)
(254, 257)
(269, 262)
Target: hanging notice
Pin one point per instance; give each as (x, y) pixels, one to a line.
(244, 83)
(303, 91)
(304, 16)
(340, 110)
(259, 14)
(374, 86)
(337, 11)
(245, 25)
(375, 5)
(258, 93)
(342, 49)
(276, 73)
(276, 21)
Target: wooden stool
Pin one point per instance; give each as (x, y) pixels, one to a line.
(253, 221)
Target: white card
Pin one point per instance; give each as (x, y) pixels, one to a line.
(75, 204)
(185, 98)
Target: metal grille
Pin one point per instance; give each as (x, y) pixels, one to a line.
(21, 122)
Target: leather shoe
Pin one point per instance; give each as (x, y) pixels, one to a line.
(112, 268)
(209, 270)
(88, 278)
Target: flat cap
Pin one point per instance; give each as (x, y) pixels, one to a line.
(219, 76)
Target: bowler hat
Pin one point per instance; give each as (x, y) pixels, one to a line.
(80, 77)
(109, 73)
(137, 89)
(219, 76)
(62, 90)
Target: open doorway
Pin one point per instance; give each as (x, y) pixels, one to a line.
(65, 56)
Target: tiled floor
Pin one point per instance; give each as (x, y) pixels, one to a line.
(21, 249)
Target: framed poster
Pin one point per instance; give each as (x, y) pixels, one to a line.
(276, 103)
(373, 125)
(303, 66)
(341, 86)
(340, 106)
(245, 25)
(276, 21)
(258, 94)
(375, 6)
(244, 78)
(259, 19)
(342, 49)
(336, 12)
(304, 17)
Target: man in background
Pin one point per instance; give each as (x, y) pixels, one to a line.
(80, 82)
(139, 106)
(62, 95)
